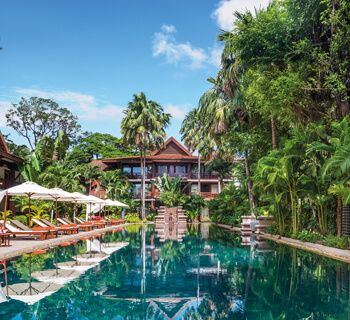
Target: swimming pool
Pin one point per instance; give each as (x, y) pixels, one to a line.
(202, 272)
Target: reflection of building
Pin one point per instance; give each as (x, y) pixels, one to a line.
(175, 160)
(170, 231)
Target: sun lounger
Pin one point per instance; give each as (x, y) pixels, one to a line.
(73, 228)
(94, 223)
(115, 221)
(81, 226)
(30, 234)
(62, 230)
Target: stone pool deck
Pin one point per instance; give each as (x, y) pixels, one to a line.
(19, 247)
(333, 253)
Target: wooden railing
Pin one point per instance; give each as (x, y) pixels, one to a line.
(182, 175)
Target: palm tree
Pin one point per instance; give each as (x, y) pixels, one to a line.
(144, 127)
(60, 175)
(191, 136)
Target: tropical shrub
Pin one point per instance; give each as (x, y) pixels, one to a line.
(22, 218)
(132, 218)
(9, 214)
(229, 205)
(337, 242)
(171, 199)
(309, 236)
(151, 215)
(192, 205)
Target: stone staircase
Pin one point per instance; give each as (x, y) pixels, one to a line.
(171, 223)
(170, 215)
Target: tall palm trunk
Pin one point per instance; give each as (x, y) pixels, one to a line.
(274, 133)
(249, 183)
(142, 183)
(199, 174)
(144, 186)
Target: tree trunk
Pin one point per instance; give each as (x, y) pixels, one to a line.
(142, 182)
(274, 133)
(144, 186)
(249, 183)
(339, 215)
(219, 184)
(199, 174)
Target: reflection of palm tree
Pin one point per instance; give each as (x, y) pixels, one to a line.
(171, 254)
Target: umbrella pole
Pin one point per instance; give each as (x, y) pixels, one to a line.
(5, 209)
(56, 211)
(74, 211)
(30, 210)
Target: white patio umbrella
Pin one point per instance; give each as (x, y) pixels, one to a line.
(59, 195)
(28, 189)
(90, 200)
(116, 203)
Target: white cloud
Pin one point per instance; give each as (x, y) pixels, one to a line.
(168, 28)
(177, 112)
(223, 14)
(4, 106)
(165, 44)
(215, 55)
(86, 107)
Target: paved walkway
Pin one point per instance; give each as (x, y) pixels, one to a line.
(334, 253)
(19, 247)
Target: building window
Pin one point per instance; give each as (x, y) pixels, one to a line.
(127, 170)
(180, 170)
(162, 169)
(214, 188)
(137, 188)
(205, 188)
(194, 188)
(136, 171)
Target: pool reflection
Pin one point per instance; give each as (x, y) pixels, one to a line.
(143, 273)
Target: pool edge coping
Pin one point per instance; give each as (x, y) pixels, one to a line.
(46, 244)
(342, 255)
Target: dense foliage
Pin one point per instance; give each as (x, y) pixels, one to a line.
(56, 160)
(280, 103)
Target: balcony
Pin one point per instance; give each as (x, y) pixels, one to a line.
(204, 176)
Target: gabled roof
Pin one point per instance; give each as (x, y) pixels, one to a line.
(3, 144)
(5, 152)
(172, 146)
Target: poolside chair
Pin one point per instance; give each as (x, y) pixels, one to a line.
(81, 226)
(28, 233)
(47, 224)
(73, 228)
(94, 223)
(115, 221)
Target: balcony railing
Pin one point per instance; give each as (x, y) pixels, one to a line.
(155, 195)
(182, 175)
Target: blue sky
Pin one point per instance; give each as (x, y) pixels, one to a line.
(91, 56)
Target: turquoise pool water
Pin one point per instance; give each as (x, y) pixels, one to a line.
(205, 273)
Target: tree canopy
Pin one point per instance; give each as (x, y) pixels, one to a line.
(35, 118)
